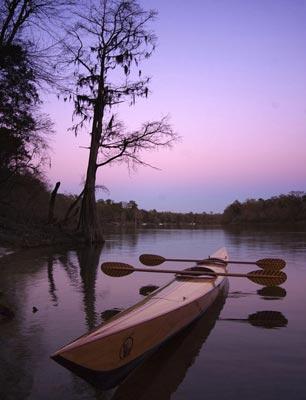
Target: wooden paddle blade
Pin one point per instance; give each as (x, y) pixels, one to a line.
(272, 264)
(116, 269)
(151, 259)
(267, 278)
(268, 319)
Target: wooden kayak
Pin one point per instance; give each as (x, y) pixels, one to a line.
(115, 347)
(169, 364)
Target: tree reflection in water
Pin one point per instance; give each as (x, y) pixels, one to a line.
(89, 260)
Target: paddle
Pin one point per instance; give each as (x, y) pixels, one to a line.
(117, 269)
(264, 319)
(266, 263)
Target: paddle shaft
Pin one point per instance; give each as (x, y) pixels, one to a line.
(212, 260)
(194, 261)
(265, 263)
(182, 260)
(194, 273)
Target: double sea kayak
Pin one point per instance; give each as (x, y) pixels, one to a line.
(116, 346)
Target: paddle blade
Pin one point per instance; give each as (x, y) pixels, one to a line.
(266, 278)
(151, 259)
(116, 269)
(272, 264)
(268, 319)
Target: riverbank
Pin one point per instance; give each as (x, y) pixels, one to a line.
(19, 235)
(25, 210)
(16, 235)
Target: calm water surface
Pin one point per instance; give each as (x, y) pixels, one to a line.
(222, 356)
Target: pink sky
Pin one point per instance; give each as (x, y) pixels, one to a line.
(231, 75)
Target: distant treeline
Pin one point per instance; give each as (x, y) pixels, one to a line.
(128, 213)
(283, 209)
(26, 199)
(24, 209)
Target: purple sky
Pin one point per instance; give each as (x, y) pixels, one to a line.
(231, 74)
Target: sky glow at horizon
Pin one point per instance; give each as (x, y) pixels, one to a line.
(231, 76)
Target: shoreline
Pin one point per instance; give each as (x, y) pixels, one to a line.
(16, 236)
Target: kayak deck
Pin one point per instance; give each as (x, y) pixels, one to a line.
(131, 334)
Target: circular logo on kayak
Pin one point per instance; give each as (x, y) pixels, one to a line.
(126, 347)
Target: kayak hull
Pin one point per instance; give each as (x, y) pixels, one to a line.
(117, 346)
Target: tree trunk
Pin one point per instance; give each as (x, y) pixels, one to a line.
(71, 208)
(89, 223)
(52, 203)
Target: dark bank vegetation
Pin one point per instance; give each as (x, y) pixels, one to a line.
(24, 210)
(26, 54)
(283, 209)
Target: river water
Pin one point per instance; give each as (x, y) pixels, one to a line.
(227, 354)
